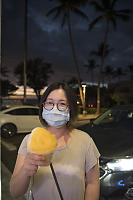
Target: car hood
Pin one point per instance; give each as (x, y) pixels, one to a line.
(111, 145)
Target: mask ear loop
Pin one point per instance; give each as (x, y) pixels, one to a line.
(56, 182)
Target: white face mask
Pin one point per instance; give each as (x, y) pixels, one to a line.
(55, 117)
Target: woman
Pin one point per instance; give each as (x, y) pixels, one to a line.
(75, 160)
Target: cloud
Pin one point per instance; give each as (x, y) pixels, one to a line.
(43, 22)
(129, 49)
(47, 39)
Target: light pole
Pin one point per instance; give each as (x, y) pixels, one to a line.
(84, 93)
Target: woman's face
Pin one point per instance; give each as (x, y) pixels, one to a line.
(57, 96)
(56, 109)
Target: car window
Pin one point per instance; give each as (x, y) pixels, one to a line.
(126, 119)
(24, 111)
(125, 115)
(34, 111)
(108, 117)
(116, 116)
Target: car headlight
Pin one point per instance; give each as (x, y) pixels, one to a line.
(121, 164)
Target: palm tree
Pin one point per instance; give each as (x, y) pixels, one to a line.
(108, 72)
(91, 65)
(65, 8)
(7, 87)
(72, 82)
(99, 53)
(1, 32)
(109, 14)
(25, 48)
(119, 73)
(130, 69)
(4, 71)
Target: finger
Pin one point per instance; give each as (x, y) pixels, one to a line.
(37, 157)
(31, 167)
(36, 162)
(31, 172)
(44, 164)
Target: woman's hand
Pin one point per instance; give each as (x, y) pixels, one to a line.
(31, 163)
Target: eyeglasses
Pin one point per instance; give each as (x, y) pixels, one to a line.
(60, 106)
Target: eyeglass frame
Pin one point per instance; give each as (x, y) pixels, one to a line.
(53, 105)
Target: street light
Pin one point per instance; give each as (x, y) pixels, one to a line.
(84, 92)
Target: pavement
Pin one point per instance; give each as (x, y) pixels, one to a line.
(6, 174)
(5, 179)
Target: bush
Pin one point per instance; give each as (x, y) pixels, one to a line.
(91, 110)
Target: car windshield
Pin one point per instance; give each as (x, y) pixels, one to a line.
(114, 115)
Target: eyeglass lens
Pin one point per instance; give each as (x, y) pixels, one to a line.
(50, 106)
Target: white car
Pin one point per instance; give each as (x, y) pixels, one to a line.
(19, 119)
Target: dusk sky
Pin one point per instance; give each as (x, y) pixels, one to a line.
(48, 40)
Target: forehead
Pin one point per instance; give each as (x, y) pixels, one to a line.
(58, 94)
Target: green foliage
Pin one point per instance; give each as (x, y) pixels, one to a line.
(66, 6)
(72, 82)
(130, 70)
(63, 10)
(38, 72)
(7, 88)
(108, 12)
(92, 110)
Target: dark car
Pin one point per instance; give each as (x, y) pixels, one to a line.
(113, 135)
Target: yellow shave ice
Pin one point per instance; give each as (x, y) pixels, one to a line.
(42, 141)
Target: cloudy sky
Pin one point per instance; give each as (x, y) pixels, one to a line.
(47, 39)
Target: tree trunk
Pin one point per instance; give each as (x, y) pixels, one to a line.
(1, 45)
(75, 61)
(25, 48)
(38, 95)
(101, 68)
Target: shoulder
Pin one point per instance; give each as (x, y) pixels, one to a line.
(83, 140)
(23, 146)
(25, 140)
(82, 135)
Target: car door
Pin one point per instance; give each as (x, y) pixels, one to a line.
(27, 119)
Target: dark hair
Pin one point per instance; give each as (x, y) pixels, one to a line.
(71, 98)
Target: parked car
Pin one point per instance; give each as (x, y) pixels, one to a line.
(113, 135)
(18, 119)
